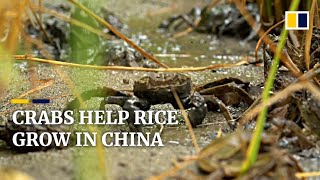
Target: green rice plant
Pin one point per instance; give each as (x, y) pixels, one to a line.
(86, 48)
(85, 45)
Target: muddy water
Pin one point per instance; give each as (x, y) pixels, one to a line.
(194, 49)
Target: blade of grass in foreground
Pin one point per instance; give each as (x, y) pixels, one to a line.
(253, 150)
(85, 48)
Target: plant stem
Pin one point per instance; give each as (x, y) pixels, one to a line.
(253, 150)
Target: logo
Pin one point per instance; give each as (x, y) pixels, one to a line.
(28, 101)
(297, 20)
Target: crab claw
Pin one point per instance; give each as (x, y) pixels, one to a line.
(134, 104)
(198, 111)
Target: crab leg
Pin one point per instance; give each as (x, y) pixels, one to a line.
(214, 102)
(198, 109)
(3, 134)
(167, 23)
(98, 92)
(222, 82)
(231, 87)
(119, 100)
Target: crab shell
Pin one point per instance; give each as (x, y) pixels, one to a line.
(158, 89)
(10, 128)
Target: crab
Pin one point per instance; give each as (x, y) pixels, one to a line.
(8, 130)
(55, 33)
(120, 54)
(158, 89)
(223, 19)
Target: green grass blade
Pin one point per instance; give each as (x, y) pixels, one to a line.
(253, 150)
